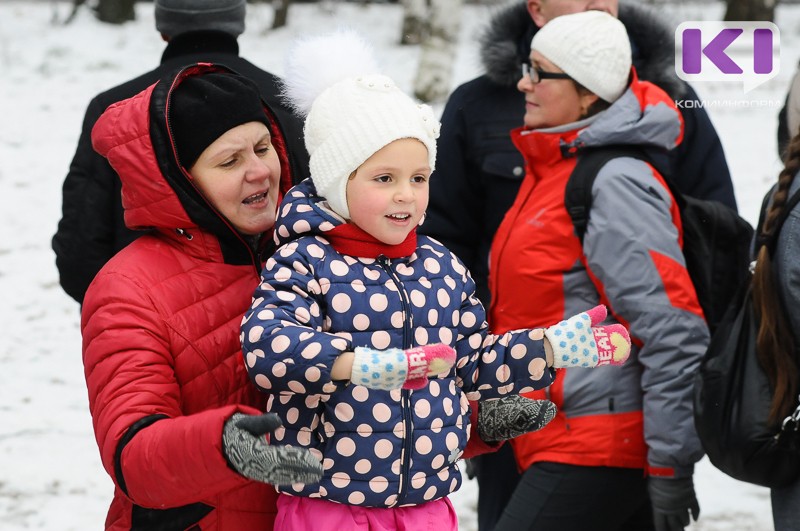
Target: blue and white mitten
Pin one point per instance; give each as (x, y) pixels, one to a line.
(577, 342)
(395, 368)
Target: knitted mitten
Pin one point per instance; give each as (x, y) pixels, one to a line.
(512, 416)
(395, 368)
(246, 449)
(577, 342)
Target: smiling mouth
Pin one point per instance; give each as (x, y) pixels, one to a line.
(255, 198)
(399, 217)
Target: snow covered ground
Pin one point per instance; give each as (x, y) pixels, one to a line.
(50, 474)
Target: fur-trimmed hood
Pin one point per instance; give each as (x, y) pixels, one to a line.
(505, 43)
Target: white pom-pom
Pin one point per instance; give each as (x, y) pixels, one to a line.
(315, 63)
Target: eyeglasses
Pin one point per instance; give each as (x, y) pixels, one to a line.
(537, 74)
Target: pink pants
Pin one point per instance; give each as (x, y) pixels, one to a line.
(304, 514)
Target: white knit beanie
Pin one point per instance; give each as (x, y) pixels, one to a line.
(351, 110)
(592, 47)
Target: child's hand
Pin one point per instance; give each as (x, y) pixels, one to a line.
(394, 368)
(577, 342)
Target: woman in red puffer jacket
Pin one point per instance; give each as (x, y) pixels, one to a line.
(203, 166)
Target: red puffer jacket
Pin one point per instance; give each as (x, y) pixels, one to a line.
(160, 328)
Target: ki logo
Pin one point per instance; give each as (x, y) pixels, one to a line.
(728, 51)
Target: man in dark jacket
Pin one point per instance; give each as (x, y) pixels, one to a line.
(92, 229)
(479, 170)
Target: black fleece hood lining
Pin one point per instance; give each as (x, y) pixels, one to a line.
(234, 247)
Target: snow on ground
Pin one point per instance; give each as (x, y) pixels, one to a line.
(50, 473)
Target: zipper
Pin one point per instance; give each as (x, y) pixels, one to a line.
(501, 254)
(405, 395)
(184, 233)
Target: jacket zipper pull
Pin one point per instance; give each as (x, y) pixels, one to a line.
(183, 233)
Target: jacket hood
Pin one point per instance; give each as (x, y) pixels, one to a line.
(644, 115)
(134, 135)
(302, 213)
(506, 43)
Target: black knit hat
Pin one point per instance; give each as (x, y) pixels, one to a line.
(174, 17)
(205, 107)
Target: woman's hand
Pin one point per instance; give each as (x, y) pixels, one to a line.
(245, 446)
(502, 419)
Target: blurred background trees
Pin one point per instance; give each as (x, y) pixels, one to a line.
(433, 25)
(750, 10)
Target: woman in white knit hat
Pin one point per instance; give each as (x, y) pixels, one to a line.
(355, 312)
(620, 453)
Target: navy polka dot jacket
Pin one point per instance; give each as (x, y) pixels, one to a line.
(379, 448)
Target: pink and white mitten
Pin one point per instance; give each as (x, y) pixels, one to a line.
(395, 368)
(577, 342)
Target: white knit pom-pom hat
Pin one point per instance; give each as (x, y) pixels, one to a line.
(351, 110)
(592, 47)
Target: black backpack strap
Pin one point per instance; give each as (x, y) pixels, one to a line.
(578, 194)
(760, 239)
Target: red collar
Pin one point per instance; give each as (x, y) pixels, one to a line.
(351, 240)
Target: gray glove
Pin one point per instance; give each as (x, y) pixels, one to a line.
(247, 451)
(673, 499)
(512, 416)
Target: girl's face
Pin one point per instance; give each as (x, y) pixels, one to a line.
(239, 173)
(551, 102)
(388, 194)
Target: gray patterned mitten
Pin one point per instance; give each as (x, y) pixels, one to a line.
(245, 446)
(512, 416)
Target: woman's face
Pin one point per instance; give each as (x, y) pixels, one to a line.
(551, 102)
(239, 173)
(388, 194)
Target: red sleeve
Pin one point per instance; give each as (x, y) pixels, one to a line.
(477, 446)
(130, 377)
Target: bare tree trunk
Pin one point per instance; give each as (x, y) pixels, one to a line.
(281, 8)
(435, 69)
(762, 10)
(76, 5)
(414, 27)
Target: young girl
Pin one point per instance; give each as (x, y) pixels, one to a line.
(352, 285)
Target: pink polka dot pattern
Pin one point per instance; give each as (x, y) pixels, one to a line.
(313, 303)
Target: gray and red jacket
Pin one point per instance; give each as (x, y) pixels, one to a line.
(638, 415)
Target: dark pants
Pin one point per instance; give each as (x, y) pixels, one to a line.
(558, 497)
(497, 477)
